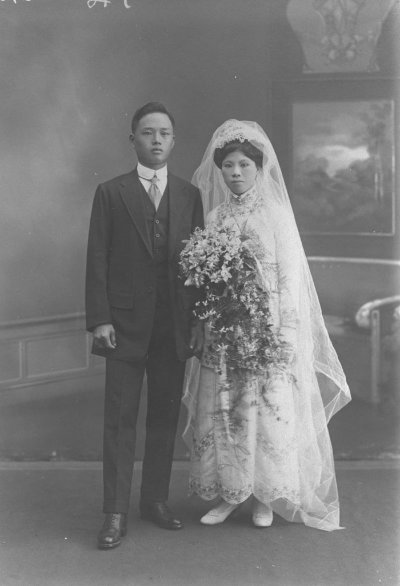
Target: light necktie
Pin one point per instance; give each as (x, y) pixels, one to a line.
(154, 192)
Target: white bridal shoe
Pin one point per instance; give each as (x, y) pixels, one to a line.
(218, 514)
(262, 514)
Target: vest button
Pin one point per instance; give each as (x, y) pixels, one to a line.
(157, 221)
(157, 236)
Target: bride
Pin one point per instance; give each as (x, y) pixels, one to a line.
(263, 433)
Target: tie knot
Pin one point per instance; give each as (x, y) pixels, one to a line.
(154, 180)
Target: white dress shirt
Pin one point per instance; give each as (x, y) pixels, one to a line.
(147, 174)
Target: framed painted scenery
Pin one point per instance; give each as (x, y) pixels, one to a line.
(337, 141)
(343, 166)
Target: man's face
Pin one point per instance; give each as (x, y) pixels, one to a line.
(153, 140)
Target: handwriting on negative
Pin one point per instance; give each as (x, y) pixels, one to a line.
(91, 3)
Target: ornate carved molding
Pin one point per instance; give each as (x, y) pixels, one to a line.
(338, 35)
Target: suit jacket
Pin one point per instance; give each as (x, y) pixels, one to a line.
(121, 272)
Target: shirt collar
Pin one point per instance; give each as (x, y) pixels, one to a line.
(147, 173)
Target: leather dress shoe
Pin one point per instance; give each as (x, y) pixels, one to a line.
(114, 527)
(161, 515)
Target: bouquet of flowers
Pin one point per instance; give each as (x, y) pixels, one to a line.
(235, 304)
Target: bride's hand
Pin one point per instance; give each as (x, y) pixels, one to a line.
(287, 354)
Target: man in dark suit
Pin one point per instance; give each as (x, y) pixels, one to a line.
(140, 314)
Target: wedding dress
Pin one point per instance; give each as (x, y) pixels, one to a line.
(266, 434)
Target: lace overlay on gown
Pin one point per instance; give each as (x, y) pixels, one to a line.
(256, 434)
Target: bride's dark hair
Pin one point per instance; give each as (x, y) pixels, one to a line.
(244, 147)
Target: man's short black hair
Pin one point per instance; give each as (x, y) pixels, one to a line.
(150, 108)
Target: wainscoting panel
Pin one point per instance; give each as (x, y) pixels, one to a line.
(52, 388)
(56, 355)
(44, 350)
(10, 362)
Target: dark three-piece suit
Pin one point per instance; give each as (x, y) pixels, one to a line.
(133, 283)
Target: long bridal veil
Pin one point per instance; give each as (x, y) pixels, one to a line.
(321, 388)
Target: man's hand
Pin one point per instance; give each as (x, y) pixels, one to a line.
(104, 336)
(197, 338)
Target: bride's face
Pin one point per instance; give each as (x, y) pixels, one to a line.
(239, 172)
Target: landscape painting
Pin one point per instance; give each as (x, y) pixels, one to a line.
(343, 161)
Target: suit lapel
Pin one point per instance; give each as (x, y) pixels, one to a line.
(177, 204)
(131, 193)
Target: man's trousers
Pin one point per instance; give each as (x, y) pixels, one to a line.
(124, 381)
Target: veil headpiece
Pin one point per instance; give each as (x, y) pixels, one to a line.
(208, 177)
(236, 130)
(316, 352)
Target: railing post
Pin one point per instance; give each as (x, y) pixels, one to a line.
(375, 356)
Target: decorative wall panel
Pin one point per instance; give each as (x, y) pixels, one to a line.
(338, 35)
(38, 351)
(56, 354)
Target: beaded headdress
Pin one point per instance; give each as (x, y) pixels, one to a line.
(235, 130)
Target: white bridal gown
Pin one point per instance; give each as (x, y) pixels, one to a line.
(264, 435)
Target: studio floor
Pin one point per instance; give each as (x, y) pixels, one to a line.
(50, 515)
(50, 508)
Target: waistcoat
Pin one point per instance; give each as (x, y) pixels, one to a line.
(157, 227)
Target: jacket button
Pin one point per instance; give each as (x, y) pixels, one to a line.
(157, 236)
(157, 221)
